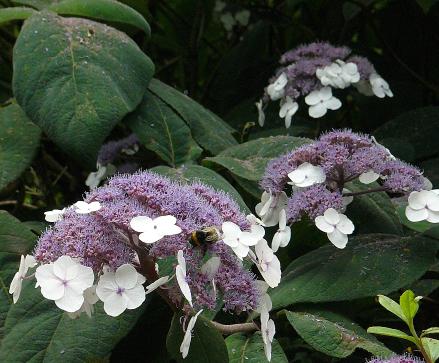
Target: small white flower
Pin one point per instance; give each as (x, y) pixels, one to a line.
(240, 241)
(268, 330)
(86, 208)
(121, 290)
(423, 205)
(338, 74)
(180, 273)
(156, 284)
(25, 264)
(254, 220)
(268, 264)
(270, 206)
(228, 21)
(283, 235)
(103, 171)
(242, 17)
(152, 230)
(186, 343)
(287, 110)
(380, 87)
(368, 177)
(54, 215)
(336, 225)
(276, 89)
(306, 175)
(65, 281)
(90, 298)
(320, 101)
(261, 114)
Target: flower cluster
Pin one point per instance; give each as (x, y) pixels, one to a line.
(231, 20)
(312, 71)
(319, 172)
(397, 359)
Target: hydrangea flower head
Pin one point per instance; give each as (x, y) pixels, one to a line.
(397, 359)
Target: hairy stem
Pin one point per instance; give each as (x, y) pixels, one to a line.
(353, 194)
(235, 328)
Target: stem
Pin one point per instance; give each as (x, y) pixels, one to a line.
(419, 342)
(353, 194)
(235, 328)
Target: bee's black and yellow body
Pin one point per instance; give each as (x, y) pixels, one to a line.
(204, 236)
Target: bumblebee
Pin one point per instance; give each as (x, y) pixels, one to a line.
(204, 236)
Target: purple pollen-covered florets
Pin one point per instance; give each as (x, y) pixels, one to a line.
(111, 150)
(103, 237)
(397, 359)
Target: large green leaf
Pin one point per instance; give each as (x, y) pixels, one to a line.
(37, 331)
(334, 334)
(76, 79)
(369, 265)
(192, 173)
(211, 132)
(37, 4)
(108, 10)
(249, 160)
(207, 344)
(19, 140)
(250, 349)
(163, 131)
(17, 13)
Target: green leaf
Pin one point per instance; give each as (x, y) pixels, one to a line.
(409, 306)
(162, 131)
(373, 212)
(211, 132)
(19, 140)
(207, 344)
(107, 10)
(17, 13)
(433, 330)
(37, 4)
(380, 264)
(197, 173)
(432, 348)
(250, 349)
(36, 330)
(76, 79)
(249, 160)
(333, 334)
(381, 330)
(392, 306)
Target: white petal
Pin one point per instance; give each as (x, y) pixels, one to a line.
(345, 225)
(83, 280)
(115, 304)
(182, 283)
(273, 274)
(368, 177)
(313, 98)
(134, 297)
(126, 276)
(29, 262)
(416, 215)
(94, 206)
(210, 268)
(140, 223)
(332, 216)
(317, 110)
(241, 250)
(433, 202)
(156, 284)
(433, 217)
(297, 176)
(71, 301)
(230, 230)
(418, 200)
(54, 215)
(65, 268)
(338, 239)
(152, 235)
(323, 225)
(286, 237)
(333, 103)
(181, 261)
(282, 219)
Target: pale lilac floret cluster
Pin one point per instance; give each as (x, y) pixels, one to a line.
(99, 238)
(343, 156)
(111, 150)
(397, 359)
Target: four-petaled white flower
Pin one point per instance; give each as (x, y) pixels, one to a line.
(320, 101)
(186, 343)
(156, 284)
(54, 215)
(155, 229)
(86, 208)
(368, 177)
(261, 114)
(25, 264)
(268, 264)
(283, 235)
(338, 74)
(240, 241)
(270, 206)
(90, 298)
(276, 89)
(306, 175)
(268, 330)
(64, 281)
(121, 290)
(287, 110)
(336, 225)
(103, 171)
(423, 205)
(380, 87)
(180, 273)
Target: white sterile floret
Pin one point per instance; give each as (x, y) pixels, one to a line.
(240, 241)
(90, 298)
(152, 230)
(380, 87)
(268, 264)
(283, 235)
(268, 329)
(54, 215)
(320, 101)
(336, 225)
(368, 177)
(25, 264)
(276, 90)
(180, 273)
(306, 175)
(261, 114)
(423, 205)
(338, 74)
(270, 206)
(186, 343)
(82, 207)
(156, 284)
(121, 290)
(64, 281)
(103, 171)
(242, 17)
(287, 110)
